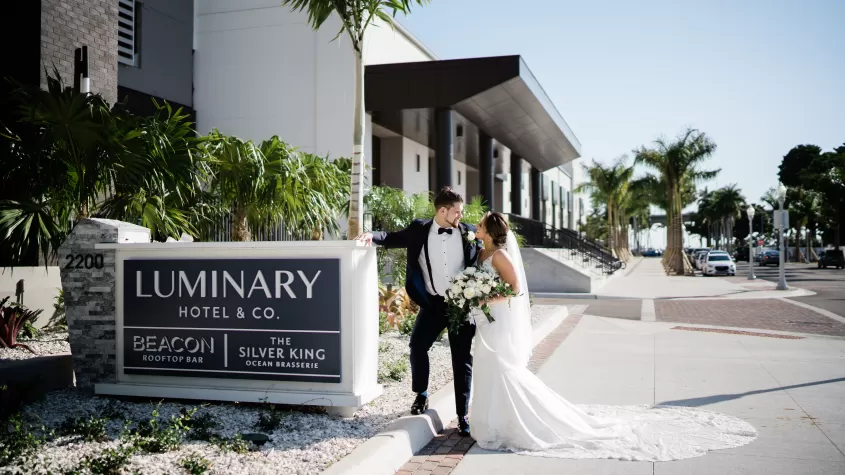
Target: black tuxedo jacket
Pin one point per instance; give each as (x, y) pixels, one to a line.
(415, 239)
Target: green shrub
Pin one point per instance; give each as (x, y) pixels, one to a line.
(383, 324)
(195, 464)
(393, 371)
(406, 325)
(235, 444)
(270, 418)
(92, 429)
(154, 437)
(202, 427)
(109, 462)
(59, 317)
(18, 441)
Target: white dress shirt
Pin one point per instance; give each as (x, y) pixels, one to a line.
(446, 254)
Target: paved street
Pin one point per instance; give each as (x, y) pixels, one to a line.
(828, 283)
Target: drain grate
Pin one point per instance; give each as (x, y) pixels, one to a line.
(739, 332)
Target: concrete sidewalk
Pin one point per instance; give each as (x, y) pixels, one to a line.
(791, 390)
(648, 280)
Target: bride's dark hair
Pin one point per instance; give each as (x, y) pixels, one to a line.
(497, 227)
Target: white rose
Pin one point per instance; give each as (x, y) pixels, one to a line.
(469, 270)
(472, 283)
(486, 289)
(471, 236)
(469, 292)
(461, 302)
(455, 290)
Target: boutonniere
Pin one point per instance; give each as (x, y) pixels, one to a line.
(469, 236)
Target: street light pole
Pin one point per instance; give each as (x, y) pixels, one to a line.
(750, 213)
(781, 264)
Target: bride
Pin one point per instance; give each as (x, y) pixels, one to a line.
(513, 410)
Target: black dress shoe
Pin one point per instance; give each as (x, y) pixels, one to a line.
(420, 405)
(463, 427)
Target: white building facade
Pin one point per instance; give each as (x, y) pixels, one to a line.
(483, 126)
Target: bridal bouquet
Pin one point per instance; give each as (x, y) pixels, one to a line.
(470, 290)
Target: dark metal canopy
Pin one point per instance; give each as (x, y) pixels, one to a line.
(498, 94)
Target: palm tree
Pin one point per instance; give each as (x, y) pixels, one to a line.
(68, 156)
(271, 183)
(728, 205)
(708, 215)
(678, 163)
(355, 16)
(638, 207)
(610, 185)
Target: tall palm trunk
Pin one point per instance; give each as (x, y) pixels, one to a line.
(669, 238)
(240, 226)
(677, 264)
(611, 235)
(356, 192)
(798, 244)
(626, 247)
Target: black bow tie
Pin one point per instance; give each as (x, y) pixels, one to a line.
(444, 230)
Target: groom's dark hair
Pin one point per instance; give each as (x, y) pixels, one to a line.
(447, 197)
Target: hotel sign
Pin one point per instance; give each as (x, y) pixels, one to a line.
(267, 319)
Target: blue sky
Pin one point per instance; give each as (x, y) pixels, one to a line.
(757, 76)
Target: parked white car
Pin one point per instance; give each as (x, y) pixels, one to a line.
(718, 263)
(701, 259)
(697, 257)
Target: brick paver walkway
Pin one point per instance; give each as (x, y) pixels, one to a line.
(765, 314)
(444, 452)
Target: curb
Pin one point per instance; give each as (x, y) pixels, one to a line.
(564, 295)
(739, 295)
(387, 451)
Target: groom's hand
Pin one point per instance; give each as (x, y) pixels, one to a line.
(366, 238)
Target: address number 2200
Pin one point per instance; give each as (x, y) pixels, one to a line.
(84, 261)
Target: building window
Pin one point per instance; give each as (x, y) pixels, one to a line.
(459, 177)
(128, 32)
(418, 163)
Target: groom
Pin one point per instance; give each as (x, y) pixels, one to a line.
(438, 250)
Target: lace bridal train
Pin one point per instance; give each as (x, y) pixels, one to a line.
(513, 410)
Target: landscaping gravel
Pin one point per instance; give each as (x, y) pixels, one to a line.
(306, 442)
(48, 343)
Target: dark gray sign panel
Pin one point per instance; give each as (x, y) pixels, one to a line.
(268, 319)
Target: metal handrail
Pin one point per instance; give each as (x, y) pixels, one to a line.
(587, 252)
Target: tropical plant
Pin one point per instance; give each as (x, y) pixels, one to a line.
(13, 318)
(596, 226)
(826, 176)
(610, 185)
(271, 183)
(355, 17)
(393, 209)
(727, 205)
(67, 156)
(396, 305)
(678, 163)
(166, 195)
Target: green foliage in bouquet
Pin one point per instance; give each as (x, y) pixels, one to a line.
(472, 289)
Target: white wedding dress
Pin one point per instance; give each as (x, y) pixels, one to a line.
(513, 410)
